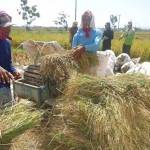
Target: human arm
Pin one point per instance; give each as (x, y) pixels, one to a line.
(11, 68)
(105, 35)
(93, 47)
(14, 71)
(112, 35)
(123, 35)
(78, 48)
(5, 76)
(78, 52)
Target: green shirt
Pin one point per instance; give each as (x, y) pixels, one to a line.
(128, 37)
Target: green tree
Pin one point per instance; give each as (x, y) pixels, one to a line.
(62, 20)
(29, 14)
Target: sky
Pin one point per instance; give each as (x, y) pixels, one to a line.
(137, 11)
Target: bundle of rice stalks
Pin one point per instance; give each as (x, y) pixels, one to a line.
(113, 113)
(21, 57)
(37, 49)
(17, 119)
(86, 61)
(55, 71)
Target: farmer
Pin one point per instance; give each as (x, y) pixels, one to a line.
(107, 37)
(128, 38)
(72, 31)
(7, 71)
(87, 39)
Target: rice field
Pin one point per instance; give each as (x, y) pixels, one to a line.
(40, 34)
(140, 48)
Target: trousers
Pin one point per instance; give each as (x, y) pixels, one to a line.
(5, 95)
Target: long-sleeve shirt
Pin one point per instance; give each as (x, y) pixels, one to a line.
(6, 59)
(109, 34)
(91, 43)
(128, 37)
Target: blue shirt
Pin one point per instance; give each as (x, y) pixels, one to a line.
(92, 43)
(5, 58)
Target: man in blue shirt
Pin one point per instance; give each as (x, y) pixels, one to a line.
(88, 38)
(7, 71)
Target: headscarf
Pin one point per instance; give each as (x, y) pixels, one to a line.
(92, 22)
(5, 21)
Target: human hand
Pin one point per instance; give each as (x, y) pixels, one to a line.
(78, 52)
(16, 75)
(5, 76)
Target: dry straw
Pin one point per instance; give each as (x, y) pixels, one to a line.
(55, 71)
(113, 112)
(95, 113)
(56, 68)
(86, 61)
(17, 119)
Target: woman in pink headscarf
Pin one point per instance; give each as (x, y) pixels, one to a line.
(88, 38)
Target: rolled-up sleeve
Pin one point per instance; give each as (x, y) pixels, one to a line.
(96, 43)
(11, 68)
(5, 56)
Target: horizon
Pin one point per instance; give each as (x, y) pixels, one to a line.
(38, 26)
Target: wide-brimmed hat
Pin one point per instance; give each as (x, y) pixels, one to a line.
(5, 19)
